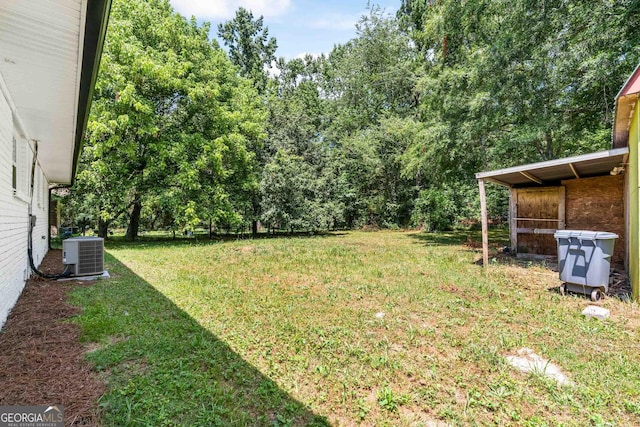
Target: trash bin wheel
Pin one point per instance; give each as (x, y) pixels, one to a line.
(563, 289)
(596, 295)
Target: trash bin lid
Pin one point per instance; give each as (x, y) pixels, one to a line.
(606, 235)
(563, 234)
(584, 234)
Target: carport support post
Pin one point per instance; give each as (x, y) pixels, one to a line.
(485, 224)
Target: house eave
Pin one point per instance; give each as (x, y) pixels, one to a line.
(97, 19)
(49, 57)
(624, 105)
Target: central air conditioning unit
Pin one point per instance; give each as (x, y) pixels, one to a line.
(84, 255)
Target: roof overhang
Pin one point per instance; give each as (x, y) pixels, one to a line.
(625, 104)
(49, 58)
(553, 171)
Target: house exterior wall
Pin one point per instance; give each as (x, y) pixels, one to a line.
(597, 204)
(633, 204)
(14, 209)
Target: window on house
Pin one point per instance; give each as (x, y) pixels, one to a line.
(19, 167)
(14, 166)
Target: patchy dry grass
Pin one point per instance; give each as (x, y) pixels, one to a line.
(385, 328)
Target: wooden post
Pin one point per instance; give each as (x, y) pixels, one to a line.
(513, 222)
(485, 224)
(562, 217)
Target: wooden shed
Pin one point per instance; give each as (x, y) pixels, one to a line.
(581, 193)
(597, 191)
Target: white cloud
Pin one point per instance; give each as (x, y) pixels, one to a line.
(226, 9)
(273, 70)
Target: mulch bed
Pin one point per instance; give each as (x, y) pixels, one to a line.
(41, 359)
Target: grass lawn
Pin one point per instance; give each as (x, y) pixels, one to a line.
(380, 328)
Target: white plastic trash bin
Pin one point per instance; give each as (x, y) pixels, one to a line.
(584, 261)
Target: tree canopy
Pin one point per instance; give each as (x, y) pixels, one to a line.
(171, 122)
(385, 130)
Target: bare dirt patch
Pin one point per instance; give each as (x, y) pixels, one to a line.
(41, 358)
(246, 249)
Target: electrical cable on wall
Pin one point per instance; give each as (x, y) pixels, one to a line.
(32, 223)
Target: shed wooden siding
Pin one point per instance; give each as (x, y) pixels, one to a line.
(542, 204)
(14, 265)
(597, 204)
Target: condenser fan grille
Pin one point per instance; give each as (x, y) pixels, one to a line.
(90, 259)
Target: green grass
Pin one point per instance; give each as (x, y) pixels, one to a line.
(384, 328)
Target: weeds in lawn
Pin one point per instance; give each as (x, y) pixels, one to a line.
(389, 401)
(288, 331)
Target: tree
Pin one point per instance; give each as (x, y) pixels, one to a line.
(170, 120)
(388, 129)
(370, 162)
(372, 76)
(252, 51)
(507, 82)
(287, 189)
(369, 87)
(250, 47)
(519, 80)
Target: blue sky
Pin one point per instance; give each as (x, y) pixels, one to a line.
(300, 26)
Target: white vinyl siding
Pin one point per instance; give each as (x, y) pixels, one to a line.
(14, 213)
(40, 188)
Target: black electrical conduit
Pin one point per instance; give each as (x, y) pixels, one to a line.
(32, 223)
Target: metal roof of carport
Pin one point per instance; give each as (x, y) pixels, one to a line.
(552, 171)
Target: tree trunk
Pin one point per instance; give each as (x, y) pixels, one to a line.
(548, 140)
(210, 229)
(103, 229)
(255, 205)
(134, 221)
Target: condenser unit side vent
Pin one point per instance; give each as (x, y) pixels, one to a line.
(85, 255)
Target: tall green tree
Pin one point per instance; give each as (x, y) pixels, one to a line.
(252, 51)
(508, 82)
(297, 121)
(369, 84)
(287, 192)
(170, 120)
(250, 47)
(372, 76)
(388, 129)
(513, 81)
